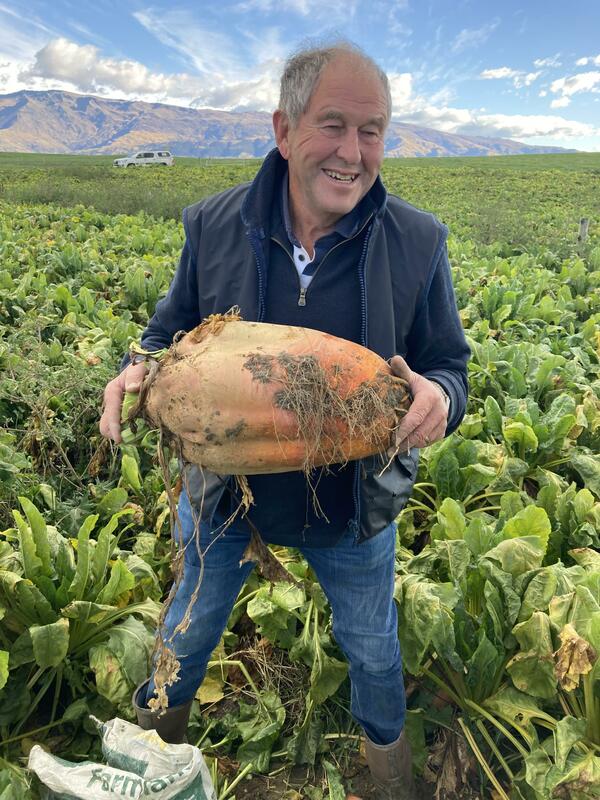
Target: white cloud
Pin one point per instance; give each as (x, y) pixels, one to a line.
(333, 10)
(524, 126)
(9, 76)
(261, 94)
(473, 37)
(574, 84)
(83, 67)
(560, 102)
(543, 93)
(519, 78)
(551, 61)
(401, 89)
(592, 60)
(478, 123)
(500, 72)
(66, 65)
(526, 80)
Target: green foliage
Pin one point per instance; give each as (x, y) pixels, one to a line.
(499, 600)
(64, 599)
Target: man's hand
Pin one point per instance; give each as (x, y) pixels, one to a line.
(130, 380)
(426, 420)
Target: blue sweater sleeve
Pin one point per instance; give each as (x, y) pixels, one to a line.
(178, 310)
(437, 347)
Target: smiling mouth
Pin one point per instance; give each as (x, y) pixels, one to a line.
(340, 176)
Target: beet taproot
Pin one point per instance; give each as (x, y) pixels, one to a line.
(247, 398)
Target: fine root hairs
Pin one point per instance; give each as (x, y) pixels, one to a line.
(326, 418)
(214, 324)
(166, 662)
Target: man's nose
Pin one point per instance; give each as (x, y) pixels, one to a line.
(349, 146)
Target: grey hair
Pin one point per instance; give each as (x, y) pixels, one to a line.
(303, 69)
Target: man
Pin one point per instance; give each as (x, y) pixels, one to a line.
(315, 240)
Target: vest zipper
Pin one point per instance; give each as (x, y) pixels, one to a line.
(304, 289)
(362, 266)
(261, 290)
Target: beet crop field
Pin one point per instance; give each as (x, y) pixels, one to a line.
(498, 552)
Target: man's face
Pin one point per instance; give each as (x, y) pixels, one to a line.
(335, 151)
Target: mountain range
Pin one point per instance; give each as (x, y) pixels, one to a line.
(65, 122)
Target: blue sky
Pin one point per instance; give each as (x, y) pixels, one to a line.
(524, 70)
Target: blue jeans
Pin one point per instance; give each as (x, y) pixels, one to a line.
(359, 583)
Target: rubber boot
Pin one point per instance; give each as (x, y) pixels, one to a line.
(391, 769)
(171, 725)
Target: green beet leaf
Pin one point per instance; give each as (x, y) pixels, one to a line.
(3, 668)
(426, 621)
(477, 477)
(482, 669)
(522, 436)
(29, 604)
(445, 473)
(334, 781)
(511, 503)
(104, 547)
(538, 767)
(493, 416)
(50, 643)
(532, 669)
(588, 466)
(457, 556)
(479, 537)
(82, 570)
(130, 473)
(582, 782)
(567, 733)
(514, 706)
(40, 535)
(121, 580)
(84, 611)
(517, 556)
(451, 522)
(539, 593)
(270, 609)
(112, 502)
(21, 651)
(303, 746)
(530, 521)
(260, 727)
(123, 661)
(32, 563)
(326, 676)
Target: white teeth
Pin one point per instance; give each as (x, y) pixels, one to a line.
(339, 177)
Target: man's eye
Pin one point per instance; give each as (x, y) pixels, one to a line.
(331, 129)
(371, 135)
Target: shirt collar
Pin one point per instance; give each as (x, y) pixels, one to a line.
(346, 226)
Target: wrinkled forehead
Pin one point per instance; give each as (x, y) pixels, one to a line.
(348, 79)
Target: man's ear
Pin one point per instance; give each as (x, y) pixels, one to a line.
(281, 126)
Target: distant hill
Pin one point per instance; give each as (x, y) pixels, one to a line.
(64, 122)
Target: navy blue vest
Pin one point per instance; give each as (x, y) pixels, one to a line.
(285, 508)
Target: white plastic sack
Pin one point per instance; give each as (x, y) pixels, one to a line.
(138, 764)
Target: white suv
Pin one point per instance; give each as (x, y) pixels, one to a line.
(145, 159)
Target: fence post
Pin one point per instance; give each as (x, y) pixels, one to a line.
(584, 225)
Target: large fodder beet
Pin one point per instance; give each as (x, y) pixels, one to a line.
(247, 397)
